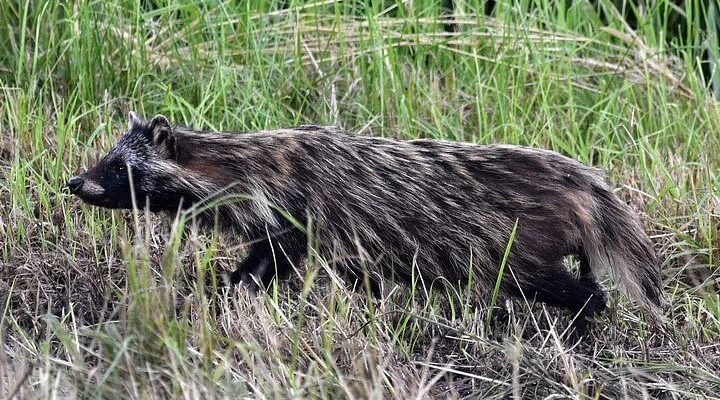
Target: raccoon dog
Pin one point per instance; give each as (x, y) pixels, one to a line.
(384, 208)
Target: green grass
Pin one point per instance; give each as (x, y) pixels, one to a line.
(100, 304)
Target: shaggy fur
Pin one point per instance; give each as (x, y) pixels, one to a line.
(381, 207)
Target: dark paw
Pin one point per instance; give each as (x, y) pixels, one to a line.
(243, 279)
(580, 327)
(583, 319)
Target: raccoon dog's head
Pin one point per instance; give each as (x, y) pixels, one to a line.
(144, 157)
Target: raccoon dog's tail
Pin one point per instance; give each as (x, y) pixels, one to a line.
(618, 242)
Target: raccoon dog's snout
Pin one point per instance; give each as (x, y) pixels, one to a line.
(74, 184)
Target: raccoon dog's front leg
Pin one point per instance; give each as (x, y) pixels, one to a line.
(268, 259)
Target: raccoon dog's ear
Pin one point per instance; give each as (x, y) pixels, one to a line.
(160, 129)
(162, 137)
(133, 120)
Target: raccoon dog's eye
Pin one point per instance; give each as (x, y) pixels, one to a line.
(121, 168)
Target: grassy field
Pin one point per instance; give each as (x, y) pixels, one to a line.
(100, 304)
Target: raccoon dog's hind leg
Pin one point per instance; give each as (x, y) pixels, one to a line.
(555, 286)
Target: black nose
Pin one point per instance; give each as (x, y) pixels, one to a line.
(74, 184)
